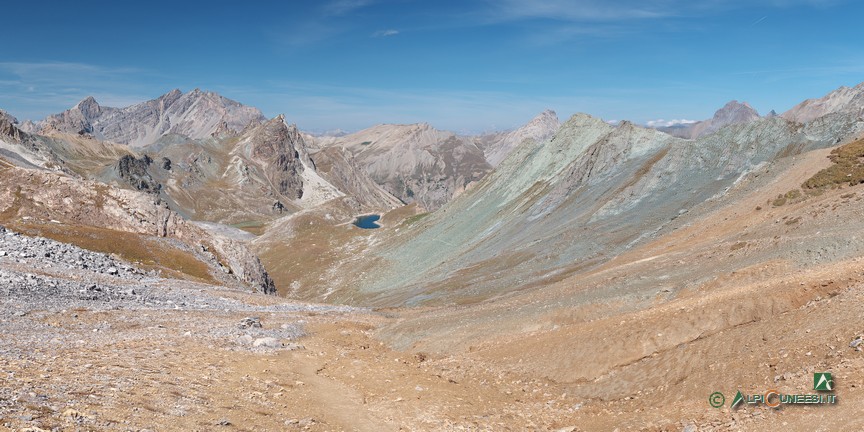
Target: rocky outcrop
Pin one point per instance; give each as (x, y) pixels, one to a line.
(245, 265)
(196, 115)
(24, 149)
(339, 167)
(732, 113)
(49, 196)
(8, 127)
(7, 118)
(275, 148)
(134, 172)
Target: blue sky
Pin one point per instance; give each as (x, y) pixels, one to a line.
(466, 66)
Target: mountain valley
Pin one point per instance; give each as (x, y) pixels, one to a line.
(568, 276)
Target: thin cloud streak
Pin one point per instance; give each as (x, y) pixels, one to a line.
(42, 88)
(667, 123)
(585, 10)
(758, 21)
(344, 7)
(385, 33)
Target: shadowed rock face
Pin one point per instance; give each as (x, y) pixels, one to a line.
(134, 172)
(275, 147)
(195, 115)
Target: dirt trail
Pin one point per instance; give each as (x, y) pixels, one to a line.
(342, 405)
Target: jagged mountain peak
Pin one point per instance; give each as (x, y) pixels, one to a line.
(733, 112)
(496, 147)
(735, 105)
(170, 97)
(8, 127)
(8, 117)
(197, 115)
(545, 115)
(278, 124)
(87, 102)
(89, 108)
(843, 100)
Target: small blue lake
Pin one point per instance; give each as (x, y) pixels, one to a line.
(367, 221)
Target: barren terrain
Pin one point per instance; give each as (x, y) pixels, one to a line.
(743, 295)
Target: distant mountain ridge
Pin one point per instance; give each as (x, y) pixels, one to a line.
(732, 113)
(415, 162)
(215, 144)
(844, 100)
(497, 146)
(196, 115)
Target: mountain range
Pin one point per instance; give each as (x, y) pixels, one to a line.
(195, 115)
(564, 270)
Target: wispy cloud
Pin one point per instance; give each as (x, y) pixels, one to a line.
(667, 123)
(758, 21)
(584, 10)
(321, 24)
(344, 7)
(561, 21)
(385, 33)
(833, 71)
(35, 89)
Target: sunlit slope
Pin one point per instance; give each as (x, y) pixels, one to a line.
(555, 208)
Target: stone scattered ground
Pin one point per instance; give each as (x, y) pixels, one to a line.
(743, 296)
(143, 353)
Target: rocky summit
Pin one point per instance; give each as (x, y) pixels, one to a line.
(556, 276)
(196, 114)
(732, 113)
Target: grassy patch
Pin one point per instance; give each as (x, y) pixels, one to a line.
(254, 227)
(848, 168)
(101, 193)
(789, 197)
(779, 201)
(738, 245)
(315, 247)
(415, 218)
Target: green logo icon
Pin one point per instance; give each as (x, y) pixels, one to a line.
(716, 399)
(822, 381)
(738, 398)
